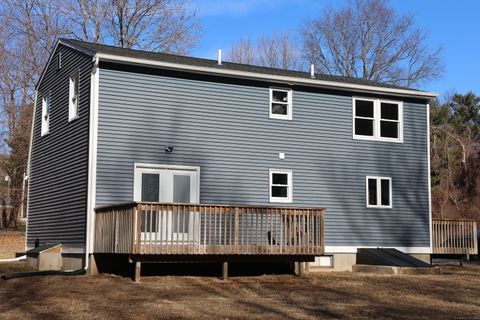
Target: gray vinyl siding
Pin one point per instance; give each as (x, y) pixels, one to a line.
(223, 126)
(57, 202)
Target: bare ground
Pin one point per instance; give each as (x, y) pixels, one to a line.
(11, 242)
(452, 295)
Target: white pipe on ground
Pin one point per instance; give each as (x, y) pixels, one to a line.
(14, 259)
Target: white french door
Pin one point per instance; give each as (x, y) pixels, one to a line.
(167, 184)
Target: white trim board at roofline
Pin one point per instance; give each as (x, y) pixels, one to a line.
(353, 249)
(288, 80)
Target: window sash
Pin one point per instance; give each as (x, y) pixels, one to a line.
(45, 115)
(287, 104)
(288, 186)
(378, 192)
(377, 120)
(74, 94)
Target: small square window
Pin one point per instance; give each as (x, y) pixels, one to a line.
(379, 192)
(280, 185)
(280, 104)
(45, 115)
(73, 97)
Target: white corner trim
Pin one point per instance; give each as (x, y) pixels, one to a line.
(29, 164)
(429, 180)
(289, 80)
(353, 249)
(92, 159)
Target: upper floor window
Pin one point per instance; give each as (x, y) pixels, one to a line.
(379, 192)
(45, 114)
(281, 104)
(280, 185)
(376, 119)
(59, 61)
(73, 97)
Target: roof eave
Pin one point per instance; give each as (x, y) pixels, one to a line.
(262, 76)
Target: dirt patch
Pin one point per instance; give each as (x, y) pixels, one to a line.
(11, 242)
(453, 294)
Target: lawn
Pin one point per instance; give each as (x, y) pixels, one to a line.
(452, 295)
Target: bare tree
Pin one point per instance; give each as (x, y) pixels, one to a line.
(368, 39)
(276, 51)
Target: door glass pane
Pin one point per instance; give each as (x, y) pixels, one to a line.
(385, 185)
(181, 189)
(150, 187)
(150, 193)
(372, 192)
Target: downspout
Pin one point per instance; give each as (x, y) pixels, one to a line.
(29, 166)
(92, 160)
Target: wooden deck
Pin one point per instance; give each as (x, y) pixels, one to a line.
(454, 237)
(198, 229)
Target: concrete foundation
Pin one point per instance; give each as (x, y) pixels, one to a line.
(73, 261)
(346, 261)
(394, 270)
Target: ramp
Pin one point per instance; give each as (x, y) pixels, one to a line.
(388, 257)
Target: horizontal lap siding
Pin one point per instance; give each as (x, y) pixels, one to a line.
(224, 128)
(57, 201)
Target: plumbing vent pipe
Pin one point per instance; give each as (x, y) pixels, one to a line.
(219, 56)
(312, 70)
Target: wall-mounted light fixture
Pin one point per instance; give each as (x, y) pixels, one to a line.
(168, 149)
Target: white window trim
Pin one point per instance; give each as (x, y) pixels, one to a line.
(73, 111)
(379, 192)
(45, 123)
(377, 119)
(289, 197)
(288, 116)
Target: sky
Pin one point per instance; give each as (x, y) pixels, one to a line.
(452, 25)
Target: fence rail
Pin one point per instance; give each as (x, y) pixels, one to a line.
(160, 228)
(454, 237)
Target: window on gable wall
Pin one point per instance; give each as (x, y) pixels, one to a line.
(45, 115)
(379, 192)
(73, 97)
(376, 119)
(280, 103)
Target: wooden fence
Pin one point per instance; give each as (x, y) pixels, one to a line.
(161, 228)
(454, 237)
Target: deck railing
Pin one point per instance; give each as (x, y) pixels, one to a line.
(454, 237)
(160, 228)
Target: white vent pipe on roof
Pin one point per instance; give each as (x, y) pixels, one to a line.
(312, 70)
(219, 56)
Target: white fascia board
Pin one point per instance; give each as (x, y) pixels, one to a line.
(353, 249)
(274, 78)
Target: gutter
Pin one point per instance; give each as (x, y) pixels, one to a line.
(262, 76)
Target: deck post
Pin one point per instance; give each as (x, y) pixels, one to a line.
(138, 269)
(224, 270)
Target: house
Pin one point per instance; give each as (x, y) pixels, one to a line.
(164, 157)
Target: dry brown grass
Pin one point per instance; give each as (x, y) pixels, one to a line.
(11, 242)
(451, 295)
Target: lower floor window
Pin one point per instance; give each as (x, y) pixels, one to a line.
(379, 192)
(280, 185)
